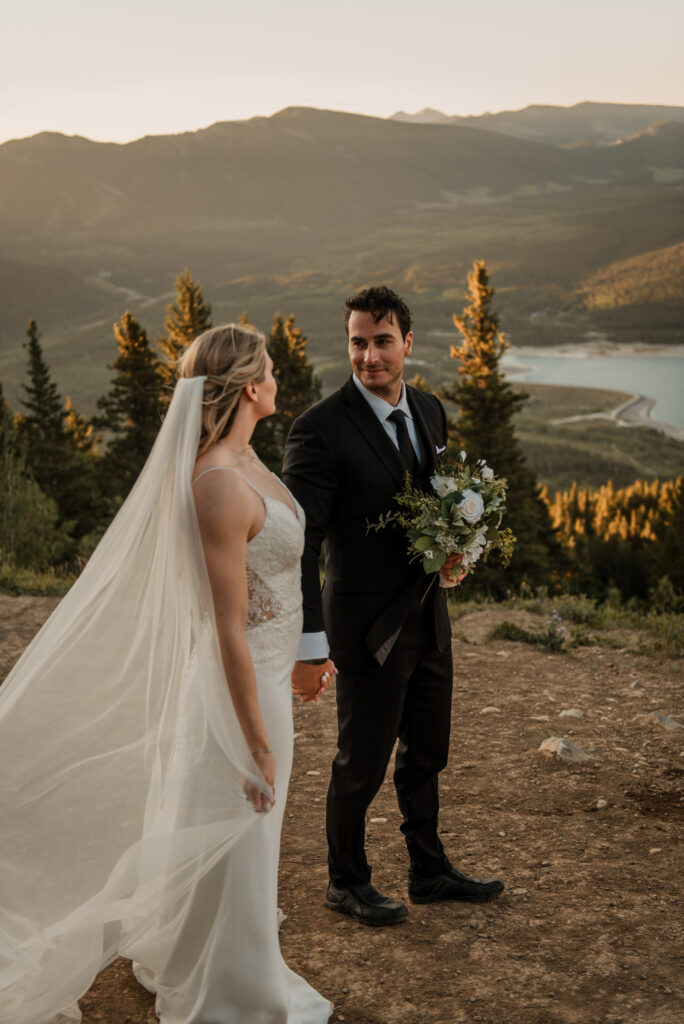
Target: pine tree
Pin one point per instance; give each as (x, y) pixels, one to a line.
(298, 388)
(53, 455)
(29, 536)
(670, 559)
(186, 317)
(487, 405)
(419, 382)
(81, 430)
(42, 426)
(132, 410)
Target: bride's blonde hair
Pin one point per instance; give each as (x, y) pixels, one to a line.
(230, 357)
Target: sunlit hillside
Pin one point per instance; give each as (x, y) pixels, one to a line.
(650, 279)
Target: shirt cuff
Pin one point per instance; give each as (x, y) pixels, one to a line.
(313, 645)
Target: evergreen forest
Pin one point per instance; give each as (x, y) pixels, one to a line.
(64, 475)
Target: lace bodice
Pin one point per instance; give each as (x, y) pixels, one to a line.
(274, 577)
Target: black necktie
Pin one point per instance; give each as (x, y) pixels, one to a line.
(406, 449)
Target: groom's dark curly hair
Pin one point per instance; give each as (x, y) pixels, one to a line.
(380, 302)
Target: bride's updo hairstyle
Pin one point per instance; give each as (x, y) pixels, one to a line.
(230, 357)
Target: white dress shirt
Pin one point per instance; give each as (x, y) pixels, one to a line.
(315, 645)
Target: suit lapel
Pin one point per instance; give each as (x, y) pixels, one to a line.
(372, 431)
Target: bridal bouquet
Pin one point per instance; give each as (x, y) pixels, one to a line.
(461, 515)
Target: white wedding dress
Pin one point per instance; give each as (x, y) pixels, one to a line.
(226, 960)
(125, 830)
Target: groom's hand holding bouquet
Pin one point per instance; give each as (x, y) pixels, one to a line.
(457, 522)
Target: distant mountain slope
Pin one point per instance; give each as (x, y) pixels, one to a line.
(661, 146)
(305, 172)
(650, 279)
(304, 169)
(294, 211)
(46, 292)
(428, 115)
(599, 123)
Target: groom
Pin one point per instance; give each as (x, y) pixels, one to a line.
(345, 459)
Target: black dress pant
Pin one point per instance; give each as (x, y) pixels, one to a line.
(408, 698)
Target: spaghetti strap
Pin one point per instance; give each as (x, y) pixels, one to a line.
(264, 497)
(230, 469)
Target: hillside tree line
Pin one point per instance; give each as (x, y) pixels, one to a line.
(64, 475)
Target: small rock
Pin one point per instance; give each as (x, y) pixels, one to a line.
(562, 749)
(502, 834)
(503, 654)
(658, 718)
(545, 864)
(519, 892)
(490, 710)
(655, 849)
(600, 804)
(571, 713)
(540, 718)
(636, 684)
(313, 773)
(378, 821)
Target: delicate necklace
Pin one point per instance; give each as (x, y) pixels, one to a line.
(240, 451)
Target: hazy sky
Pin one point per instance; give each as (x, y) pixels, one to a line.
(126, 68)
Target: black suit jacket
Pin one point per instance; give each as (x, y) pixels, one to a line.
(344, 470)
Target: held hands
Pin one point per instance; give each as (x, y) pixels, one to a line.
(310, 681)
(259, 800)
(446, 578)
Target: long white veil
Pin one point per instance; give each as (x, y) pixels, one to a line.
(116, 712)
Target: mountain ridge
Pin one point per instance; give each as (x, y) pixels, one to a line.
(587, 121)
(292, 211)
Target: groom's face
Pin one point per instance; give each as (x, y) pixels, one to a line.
(377, 352)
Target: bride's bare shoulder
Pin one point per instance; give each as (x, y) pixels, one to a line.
(223, 498)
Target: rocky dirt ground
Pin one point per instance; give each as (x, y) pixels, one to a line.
(589, 928)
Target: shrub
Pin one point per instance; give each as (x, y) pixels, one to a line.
(16, 581)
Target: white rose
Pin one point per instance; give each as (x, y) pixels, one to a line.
(487, 474)
(474, 549)
(472, 506)
(462, 456)
(443, 485)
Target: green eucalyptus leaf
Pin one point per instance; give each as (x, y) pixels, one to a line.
(435, 563)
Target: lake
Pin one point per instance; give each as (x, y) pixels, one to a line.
(658, 377)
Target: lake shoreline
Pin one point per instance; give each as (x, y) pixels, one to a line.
(652, 377)
(635, 412)
(598, 349)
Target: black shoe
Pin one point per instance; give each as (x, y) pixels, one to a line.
(365, 904)
(453, 886)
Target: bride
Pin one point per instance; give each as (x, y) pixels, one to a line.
(146, 733)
